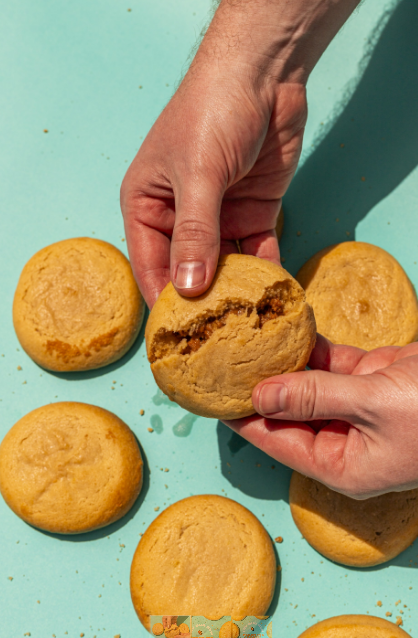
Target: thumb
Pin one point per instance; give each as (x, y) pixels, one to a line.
(315, 394)
(196, 237)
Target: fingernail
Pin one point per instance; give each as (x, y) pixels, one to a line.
(272, 398)
(190, 274)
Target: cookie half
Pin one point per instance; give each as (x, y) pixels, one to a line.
(351, 532)
(361, 296)
(181, 563)
(355, 626)
(77, 305)
(208, 353)
(70, 467)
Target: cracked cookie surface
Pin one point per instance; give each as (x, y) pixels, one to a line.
(209, 352)
(70, 468)
(77, 305)
(181, 562)
(355, 626)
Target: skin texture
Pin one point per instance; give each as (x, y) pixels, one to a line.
(355, 626)
(350, 422)
(212, 170)
(187, 542)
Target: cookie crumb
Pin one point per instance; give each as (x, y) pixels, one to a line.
(379, 603)
(150, 429)
(19, 367)
(156, 509)
(166, 469)
(279, 568)
(278, 539)
(45, 131)
(142, 412)
(298, 233)
(10, 577)
(388, 614)
(397, 603)
(399, 621)
(363, 179)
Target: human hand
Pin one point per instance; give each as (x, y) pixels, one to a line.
(351, 422)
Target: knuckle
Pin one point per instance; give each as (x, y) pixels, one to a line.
(304, 399)
(195, 232)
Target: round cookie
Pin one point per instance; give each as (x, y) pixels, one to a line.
(77, 305)
(70, 467)
(355, 626)
(351, 532)
(184, 629)
(229, 630)
(209, 352)
(157, 629)
(269, 630)
(361, 296)
(181, 564)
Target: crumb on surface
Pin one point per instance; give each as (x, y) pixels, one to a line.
(388, 614)
(166, 469)
(399, 621)
(279, 539)
(19, 367)
(142, 412)
(279, 569)
(379, 603)
(156, 509)
(150, 429)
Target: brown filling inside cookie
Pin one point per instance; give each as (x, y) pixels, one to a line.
(275, 303)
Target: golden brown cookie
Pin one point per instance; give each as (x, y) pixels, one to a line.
(361, 296)
(157, 629)
(77, 305)
(353, 532)
(70, 467)
(229, 630)
(181, 564)
(208, 353)
(172, 631)
(269, 630)
(184, 629)
(355, 627)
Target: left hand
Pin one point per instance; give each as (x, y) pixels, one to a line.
(351, 422)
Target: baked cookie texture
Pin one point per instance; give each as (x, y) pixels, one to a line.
(361, 296)
(208, 353)
(70, 467)
(77, 305)
(229, 630)
(352, 532)
(181, 565)
(355, 626)
(157, 629)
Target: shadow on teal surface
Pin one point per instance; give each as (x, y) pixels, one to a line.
(250, 470)
(103, 532)
(92, 374)
(371, 147)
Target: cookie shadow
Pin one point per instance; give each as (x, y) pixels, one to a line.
(276, 595)
(103, 532)
(92, 374)
(368, 147)
(250, 470)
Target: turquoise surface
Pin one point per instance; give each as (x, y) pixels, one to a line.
(75, 68)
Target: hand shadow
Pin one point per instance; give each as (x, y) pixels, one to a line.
(371, 147)
(249, 469)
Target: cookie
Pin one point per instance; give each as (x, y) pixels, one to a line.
(157, 629)
(269, 630)
(229, 630)
(172, 631)
(209, 352)
(77, 305)
(352, 532)
(355, 627)
(70, 467)
(180, 563)
(361, 296)
(184, 629)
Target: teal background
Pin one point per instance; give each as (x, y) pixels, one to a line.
(75, 69)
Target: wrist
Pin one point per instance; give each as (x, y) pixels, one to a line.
(278, 40)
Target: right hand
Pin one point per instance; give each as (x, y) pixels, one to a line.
(168, 621)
